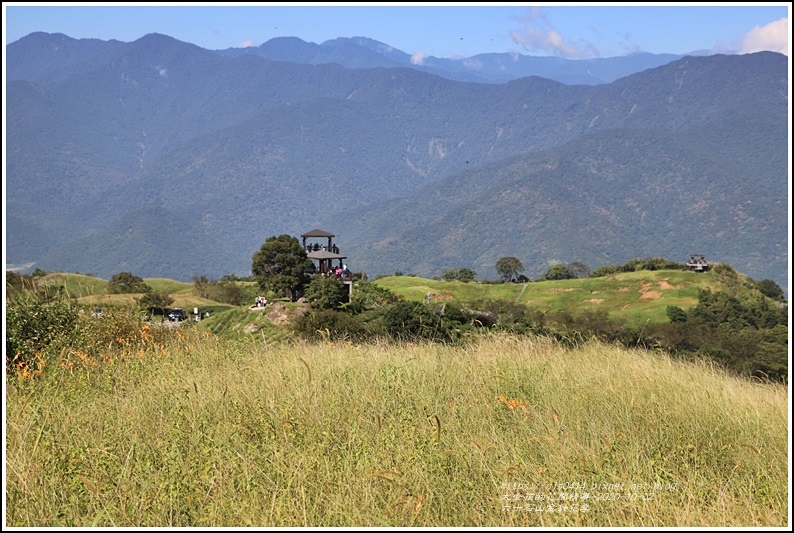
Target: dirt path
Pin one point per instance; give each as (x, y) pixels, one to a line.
(520, 294)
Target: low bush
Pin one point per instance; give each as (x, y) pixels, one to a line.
(327, 324)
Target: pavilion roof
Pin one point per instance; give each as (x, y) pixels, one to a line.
(323, 254)
(317, 233)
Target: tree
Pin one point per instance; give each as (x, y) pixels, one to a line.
(771, 289)
(459, 274)
(508, 268)
(281, 266)
(558, 271)
(125, 283)
(155, 300)
(579, 270)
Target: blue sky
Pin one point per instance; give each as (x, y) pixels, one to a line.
(448, 30)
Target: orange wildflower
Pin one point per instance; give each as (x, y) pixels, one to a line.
(512, 403)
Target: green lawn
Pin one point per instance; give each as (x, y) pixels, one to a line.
(634, 296)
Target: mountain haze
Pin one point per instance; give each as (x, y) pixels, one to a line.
(362, 52)
(167, 160)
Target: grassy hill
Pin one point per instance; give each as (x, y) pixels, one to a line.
(636, 297)
(95, 291)
(192, 426)
(719, 315)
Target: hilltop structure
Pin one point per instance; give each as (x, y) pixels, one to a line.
(324, 254)
(697, 263)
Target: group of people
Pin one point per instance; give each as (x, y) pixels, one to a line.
(317, 247)
(260, 301)
(339, 272)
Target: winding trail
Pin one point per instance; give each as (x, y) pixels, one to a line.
(520, 294)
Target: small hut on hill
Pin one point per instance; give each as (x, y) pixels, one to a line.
(697, 263)
(324, 254)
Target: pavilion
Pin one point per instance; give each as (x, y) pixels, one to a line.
(325, 254)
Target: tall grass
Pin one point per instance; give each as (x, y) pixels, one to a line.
(208, 432)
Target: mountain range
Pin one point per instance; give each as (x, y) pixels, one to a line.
(164, 159)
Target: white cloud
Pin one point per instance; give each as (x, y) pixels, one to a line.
(773, 37)
(418, 58)
(472, 64)
(539, 35)
(246, 44)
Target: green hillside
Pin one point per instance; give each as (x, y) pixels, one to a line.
(637, 297)
(719, 315)
(75, 285)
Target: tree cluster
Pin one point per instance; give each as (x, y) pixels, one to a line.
(127, 283)
(225, 290)
(281, 266)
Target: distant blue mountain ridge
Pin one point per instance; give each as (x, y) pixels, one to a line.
(164, 159)
(362, 52)
(349, 52)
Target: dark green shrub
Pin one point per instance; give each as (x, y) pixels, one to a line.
(676, 314)
(606, 270)
(459, 274)
(455, 314)
(35, 324)
(368, 295)
(455, 320)
(115, 328)
(558, 272)
(509, 316)
(226, 290)
(326, 324)
(578, 269)
(771, 357)
(648, 263)
(409, 321)
(155, 300)
(326, 293)
(771, 289)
